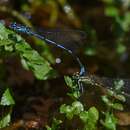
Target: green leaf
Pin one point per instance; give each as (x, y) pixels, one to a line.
(84, 116)
(90, 118)
(124, 21)
(121, 48)
(67, 110)
(70, 110)
(48, 127)
(110, 121)
(106, 100)
(4, 40)
(93, 114)
(77, 107)
(33, 61)
(121, 97)
(30, 59)
(55, 125)
(111, 11)
(108, 1)
(7, 99)
(90, 51)
(73, 85)
(68, 81)
(74, 95)
(118, 85)
(118, 106)
(5, 120)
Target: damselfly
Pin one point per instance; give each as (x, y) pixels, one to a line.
(64, 39)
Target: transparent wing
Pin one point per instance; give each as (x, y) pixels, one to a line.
(107, 82)
(70, 39)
